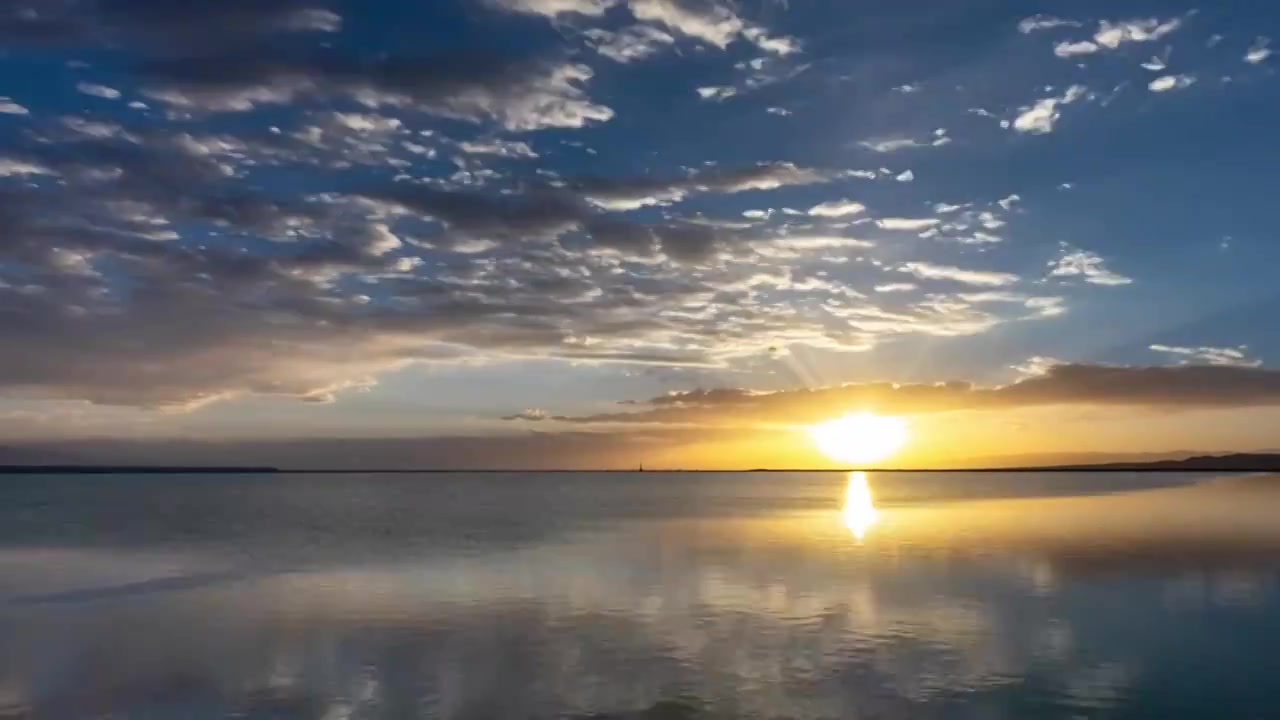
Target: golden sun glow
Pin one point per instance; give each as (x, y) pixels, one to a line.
(859, 511)
(860, 438)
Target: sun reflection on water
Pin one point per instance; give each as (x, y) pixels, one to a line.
(859, 511)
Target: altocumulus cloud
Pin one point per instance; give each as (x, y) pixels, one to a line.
(256, 201)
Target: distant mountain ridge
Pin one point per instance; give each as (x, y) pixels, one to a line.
(1235, 462)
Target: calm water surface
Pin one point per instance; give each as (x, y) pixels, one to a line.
(640, 596)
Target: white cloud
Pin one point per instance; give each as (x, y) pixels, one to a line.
(72, 263)
(1171, 82)
(943, 208)
(981, 238)
(758, 214)
(711, 23)
(908, 224)
(782, 46)
(1157, 63)
(1086, 265)
(1224, 356)
(837, 208)
(9, 107)
(377, 239)
(1041, 117)
(501, 148)
(778, 111)
(994, 296)
(905, 177)
(717, 93)
(895, 287)
(990, 221)
(1007, 203)
(894, 144)
(10, 167)
(1036, 365)
(1043, 22)
(981, 278)
(1113, 34)
(1259, 51)
(632, 44)
(891, 144)
(818, 242)
(552, 8)
(367, 123)
(1071, 49)
(1047, 306)
(101, 91)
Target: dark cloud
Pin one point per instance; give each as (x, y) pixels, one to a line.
(542, 212)
(1183, 386)
(158, 24)
(520, 93)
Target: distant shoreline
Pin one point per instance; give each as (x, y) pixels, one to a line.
(1207, 463)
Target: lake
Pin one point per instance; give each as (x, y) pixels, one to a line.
(626, 595)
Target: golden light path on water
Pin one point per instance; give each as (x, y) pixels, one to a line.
(859, 510)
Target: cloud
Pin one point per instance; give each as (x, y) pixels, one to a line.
(895, 287)
(906, 224)
(1220, 356)
(197, 25)
(718, 93)
(501, 148)
(1053, 383)
(633, 193)
(894, 144)
(1044, 22)
(101, 91)
(782, 46)
(632, 44)
(518, 93)
(1072, 49)
(1086, 265)
(1259, 51)
(837, 208)
(545, 213)
(905, 176)
(1041, 117)
(705, 20)
(552, 8)
(9, 107)
(931, 271)
(891, 145)
(1171, 82)
(530, 415)
(10, 167)
(1112, 34)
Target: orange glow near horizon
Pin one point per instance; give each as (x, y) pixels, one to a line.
(860, 438)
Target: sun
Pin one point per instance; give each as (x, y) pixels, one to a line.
(860, 438)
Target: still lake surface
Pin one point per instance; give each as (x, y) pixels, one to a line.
(526, 595)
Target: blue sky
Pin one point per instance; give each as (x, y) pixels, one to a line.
(373, 219)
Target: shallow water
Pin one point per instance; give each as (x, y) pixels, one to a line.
(640, 596)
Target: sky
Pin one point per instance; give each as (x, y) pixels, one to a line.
(593, 233)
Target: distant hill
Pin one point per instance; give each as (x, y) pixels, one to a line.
(1238, 462)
